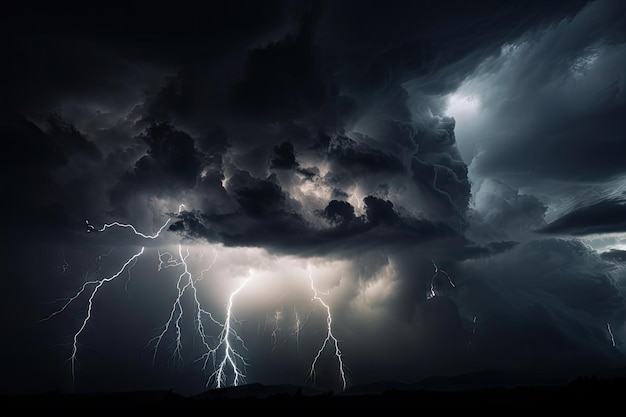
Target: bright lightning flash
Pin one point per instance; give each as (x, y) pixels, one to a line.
(432, 293)
(228, 336)
(186, 284)
(222, 352)
(98, 284)
(330, 338)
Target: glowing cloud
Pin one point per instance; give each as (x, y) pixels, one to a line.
(462, 107)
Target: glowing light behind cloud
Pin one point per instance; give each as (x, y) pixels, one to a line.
(462, 107)
(465, 107)
(290, 298)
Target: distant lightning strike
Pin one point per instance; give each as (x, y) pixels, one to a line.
(64, 265)
(277, 318)
(296, 332)
(469, 344)
(298, 328)
(208, 268)
(330, 338)
(432, 293)
(97, 285)
(608, 328)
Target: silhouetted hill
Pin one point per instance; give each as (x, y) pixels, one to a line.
(257, 391)
(485, 380)
(482, 391)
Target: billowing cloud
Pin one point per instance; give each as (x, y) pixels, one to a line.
(500, 210)
(541, 113)
(606, 216)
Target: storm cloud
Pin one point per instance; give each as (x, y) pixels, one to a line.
(450, 174)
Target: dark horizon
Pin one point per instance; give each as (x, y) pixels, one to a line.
(480, 391)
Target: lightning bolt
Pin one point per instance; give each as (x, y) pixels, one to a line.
(91, 228)
(166, 260)
(432, 292)
(277, 318)
(223, 352)
(469, 344)
(298, 328)
(185, 283)
(231, 358)
(296, 332)
(330, 338)
(228, 337)
(97, 284)
(64, 265)
(208, 268)
(608, 328)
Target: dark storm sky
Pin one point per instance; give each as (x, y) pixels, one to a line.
(365, 143)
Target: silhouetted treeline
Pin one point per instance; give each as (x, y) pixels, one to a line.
(582, 392)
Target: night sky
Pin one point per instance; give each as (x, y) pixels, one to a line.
(326, 193)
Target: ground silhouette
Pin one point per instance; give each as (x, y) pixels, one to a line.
(583, 392)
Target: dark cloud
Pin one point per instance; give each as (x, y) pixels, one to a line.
(70, 139)
(567, 147)
(451, 190)
(147, 31)
(406, 44)
(614, 255)
(257, 198)
(173, 151)
(284, 157)
(546, 302)
(500, 211)
(264, 218)
(547, 104)
(283, 79)
(488, 249)
(354, 158)
(170, 166)
(339, 212)
(607, 216)
(46, 171)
